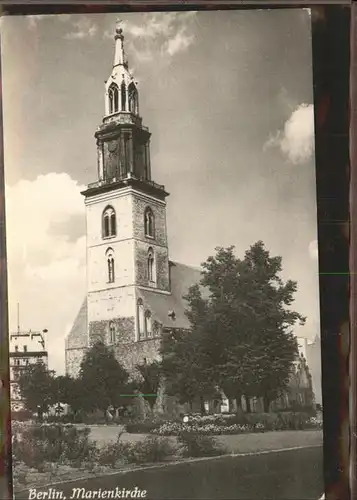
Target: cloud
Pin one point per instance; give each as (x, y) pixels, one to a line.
(35, 19)
(82, 28)
(164, 33)
(46, 268)
(179, 43)
(296, 140)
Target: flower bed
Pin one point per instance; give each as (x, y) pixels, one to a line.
(237, 424)
(47, 453)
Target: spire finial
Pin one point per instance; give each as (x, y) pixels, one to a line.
(118, 29)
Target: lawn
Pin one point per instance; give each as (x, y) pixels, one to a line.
(238, 443)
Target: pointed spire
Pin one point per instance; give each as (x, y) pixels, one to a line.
(119, 58)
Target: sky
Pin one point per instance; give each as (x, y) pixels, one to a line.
(228, 98)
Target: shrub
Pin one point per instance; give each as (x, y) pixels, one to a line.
(314, 423)
(113, 453)
(299, 409)
(196, 445)
(36, 444)
(149, 450)
(28, 451)
(261, 421)
(63, 419)
(152, 449)
(21, 415)
(292, 420)
(144, 427)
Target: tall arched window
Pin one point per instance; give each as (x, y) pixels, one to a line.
(112, 333)
(148, 325)
(149, 223)
(133, 99)
(113, 94)
(111, 265)
(123, 96)
(109, 223)
(141, 318)
(151, 266)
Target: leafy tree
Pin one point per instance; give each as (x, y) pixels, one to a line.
(35, 383)
(241, 338)
(150, 381)
(102, 378)
(183, 368)
(69, 390)
(270, 323)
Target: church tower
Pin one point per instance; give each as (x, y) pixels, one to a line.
(126, 218)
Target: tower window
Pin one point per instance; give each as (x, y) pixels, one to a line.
(110, 262)
(148, 327)
(133, 99)
(113, 94)
(111, 270)
(112, 333)
(109, 223)
(141, 318)
(123, 96)
(149, 222)
(151, 266)
(25, 348)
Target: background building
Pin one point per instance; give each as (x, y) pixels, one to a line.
(25, 349)
(311, 351)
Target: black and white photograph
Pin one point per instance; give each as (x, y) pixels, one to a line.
(162, 249)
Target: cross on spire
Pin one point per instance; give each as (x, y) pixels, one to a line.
(118, 28)
(119, 57)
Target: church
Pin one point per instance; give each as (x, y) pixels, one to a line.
(134, 292)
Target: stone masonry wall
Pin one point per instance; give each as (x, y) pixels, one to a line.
(124, 327)
(161, 266)
(140, 204)
(130, 355)
(73, 361)
(111, 303)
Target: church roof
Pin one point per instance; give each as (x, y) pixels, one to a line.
(78, 333)
(162, 305)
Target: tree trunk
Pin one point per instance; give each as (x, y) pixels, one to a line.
(238, 400)
(230, 404)
(266, 403)
(202, 406)
(247, 402)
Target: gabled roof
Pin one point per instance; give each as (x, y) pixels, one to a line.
(77, 337)
(169, 309)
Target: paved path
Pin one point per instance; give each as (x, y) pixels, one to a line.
(285, 475)
(240, 443)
